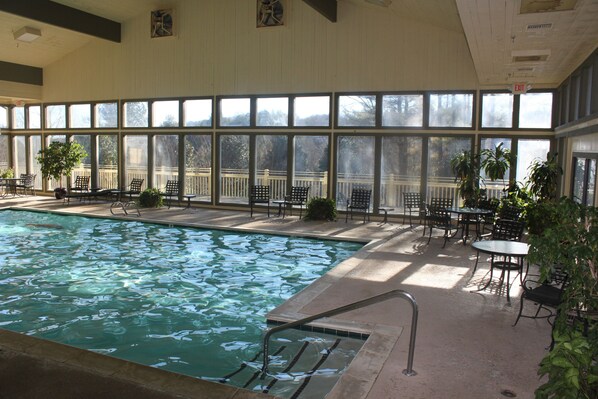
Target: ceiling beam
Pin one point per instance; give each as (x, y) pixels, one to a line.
(325, 7)
(65, 17)
(21, 73)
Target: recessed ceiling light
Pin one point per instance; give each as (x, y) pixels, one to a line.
(27, 34)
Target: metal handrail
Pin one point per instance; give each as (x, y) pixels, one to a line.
(355, 305)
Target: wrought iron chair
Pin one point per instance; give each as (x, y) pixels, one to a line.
(171, 191)
(413, 204)
(435, 203)
(509, 212)
(259, 195)
(134, 188)
(360, 202)
(27, 183)
(80, 188)
(546, 294)
(298, 197)
(486, 222)
(438, 217)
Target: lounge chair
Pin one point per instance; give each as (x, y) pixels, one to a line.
(134, 188)
(80, 186)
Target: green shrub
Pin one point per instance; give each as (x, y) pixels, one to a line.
(7, 173)
(319, 208)
(150, 198)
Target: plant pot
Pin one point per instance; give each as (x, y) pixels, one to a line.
(60, 193)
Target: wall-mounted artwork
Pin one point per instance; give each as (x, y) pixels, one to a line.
(270, 13)
(161, 23)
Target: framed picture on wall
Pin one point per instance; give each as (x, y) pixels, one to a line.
(162, 23)
(270, 13)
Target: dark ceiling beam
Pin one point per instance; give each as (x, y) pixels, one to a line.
(65, 17)
(325, 7)
(21, 73)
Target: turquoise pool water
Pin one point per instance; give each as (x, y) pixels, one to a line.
(187, 300)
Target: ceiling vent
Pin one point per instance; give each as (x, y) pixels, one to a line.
(525, 69)
(530, 55)
(538, 27)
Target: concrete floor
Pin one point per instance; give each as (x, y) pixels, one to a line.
(466, 346)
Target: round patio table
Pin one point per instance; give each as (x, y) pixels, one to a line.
(466, 216)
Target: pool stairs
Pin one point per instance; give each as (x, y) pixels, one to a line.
(305, 368)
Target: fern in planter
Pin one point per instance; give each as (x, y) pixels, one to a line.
(151, 198)
(319, 208)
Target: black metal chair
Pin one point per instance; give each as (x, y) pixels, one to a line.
(259, 195)
(486, 222)
(80, 188)
(509, 212)
(546, 294)
(298, 197)
(27, 183)
(134, 188)
(506, 230)
(359, 202)
(413, 204)
(435, 203)
(171, 191)
(438, 217)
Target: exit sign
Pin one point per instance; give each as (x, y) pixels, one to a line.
(519, 88)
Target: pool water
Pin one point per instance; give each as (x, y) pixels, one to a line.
(188, 300)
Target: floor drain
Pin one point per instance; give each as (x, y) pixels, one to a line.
(508, 394)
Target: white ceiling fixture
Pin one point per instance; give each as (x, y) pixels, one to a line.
(381, 3)
(27, 34)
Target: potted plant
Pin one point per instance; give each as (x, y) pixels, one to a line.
(465, 167)
(496, 162)
(58, 160)
(7, 173)
(319, 208)
(151, 198)
(572, 246)
(544, 177)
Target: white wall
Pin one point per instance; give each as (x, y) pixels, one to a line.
(219, 50)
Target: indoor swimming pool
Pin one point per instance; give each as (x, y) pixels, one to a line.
(171, 297)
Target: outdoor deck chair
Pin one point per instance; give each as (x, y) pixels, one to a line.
(171, 190)
(298, 197)
(412, 204)
(359, 202)
(259, 195)
(134, 188)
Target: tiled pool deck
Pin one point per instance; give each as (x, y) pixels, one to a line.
(466, 346)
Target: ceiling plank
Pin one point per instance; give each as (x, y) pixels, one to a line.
(21, 73)
(325, 7)
(65, 17)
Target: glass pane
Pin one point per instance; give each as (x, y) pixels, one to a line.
(197, 113)
(401, 169)
(235, 112)
(108, 161)
(165, 114)
(403, 110)
(4, 155)
(494, 188)
(166, 159)
(18, 118)
(3, 117)
(61, 138)
(84, 168)
(591, 189)
(234, 168)
(497, 110)
(273, 111)
(19, 155)
(527, 152)
(36, 146)
(355, 166)
(451, 110)
(198, 166)
(312, 111)
(357, 110)
(136, 158)
(80, 115)
(136, 114)
(56, 116)
(535, 111)
(35, 117)
(271, 164)
(311, 164)
(441, 179)
(106, 115)
(579, 175)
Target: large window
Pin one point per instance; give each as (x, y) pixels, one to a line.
(19, 155)
(235, 112)
(166, 159)
(271, 164)
(497, 110)
(535, 111)
(272, 111)
(494, 189)
(108, 161)
(61, 138)
(4, 117)
(358, 110)
(18, 118)
(197, 113)
(136, 158)
(441, 179)
(106, 115)
(198, 166)
(80, 116)
(4, 152)
(35, 117)
(403, 110)
(84, 168)
(584, 179)
(55, 116)
(451, 110)
(36, 146)
(355, 166)
(136, 114)
(311, 164)
(401, 169)
(528, 151)
(312, 111)
(234, 168)
(165, 113)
